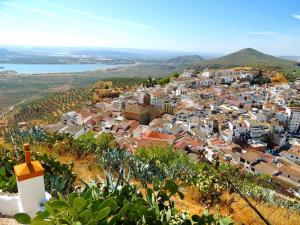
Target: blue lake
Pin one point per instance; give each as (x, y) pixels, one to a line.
(53, 68)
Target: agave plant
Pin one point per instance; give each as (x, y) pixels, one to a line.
(103, 203)
(58, 177)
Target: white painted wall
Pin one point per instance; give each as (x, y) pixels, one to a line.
(31, 193)
(9, 203)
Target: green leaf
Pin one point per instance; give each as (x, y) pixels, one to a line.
(49, 209)
(107, 203)
(22, 218)
(79, 203)
(2, 172)
(156, 184)
(225, 221)
(41, 216)
(168, 215)
(206, 213)
(72, 212)
(71, 198)
(42, 222)
(196, 218)
(86, 215)
(60, 196)
(88, 194)
(64, 215)
(181, 195)
(58, 204)
(171, 186)
(125, 208)
(92, 222)
(103, 213)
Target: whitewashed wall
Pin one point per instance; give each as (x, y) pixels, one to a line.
(9, 203)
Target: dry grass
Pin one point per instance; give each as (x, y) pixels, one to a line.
(236, 207)
(231, 204)
(85, 169)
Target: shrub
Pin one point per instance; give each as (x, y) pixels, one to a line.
(58, 177)
(100, 204)
(147, 165)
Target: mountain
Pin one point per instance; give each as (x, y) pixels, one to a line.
(28, 57)
(250, 57)
(4, 53)
(186, 59)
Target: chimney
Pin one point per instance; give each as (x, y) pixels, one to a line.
(30, 182)
(27, 154)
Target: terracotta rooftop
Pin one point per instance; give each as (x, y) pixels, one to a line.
(136, 109)
(266, 168)
(295, 150)
(181, 145)
(157, 135)
(291, 170)
(252, 155)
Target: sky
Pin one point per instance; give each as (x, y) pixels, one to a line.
(212, 26)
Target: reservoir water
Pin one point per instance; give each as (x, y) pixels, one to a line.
(53, 68)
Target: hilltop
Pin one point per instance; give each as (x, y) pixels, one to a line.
(250, 57)
(6, 53)
(186, 59)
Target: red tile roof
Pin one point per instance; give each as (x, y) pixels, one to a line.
(157, 135)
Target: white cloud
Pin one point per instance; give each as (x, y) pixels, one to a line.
(39, 11)
(46, 32)
(93, 16)
(296, 16)
(262, 33)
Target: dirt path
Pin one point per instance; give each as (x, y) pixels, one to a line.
(8, 221)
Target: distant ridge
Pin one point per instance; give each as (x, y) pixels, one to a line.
(6, 53)
(247, 56)
(186, 59)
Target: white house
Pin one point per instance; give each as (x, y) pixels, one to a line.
(292, 154)
(187, 73)
(74, 130)
(211, 153)
(294, 122)
(205, 74)
(72, 118)
(157, 98)
(182, 115)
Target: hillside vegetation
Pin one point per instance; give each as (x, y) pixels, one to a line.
(249, 57)
(186, 59)
(253, 58)
(50, 107)
(204, 186)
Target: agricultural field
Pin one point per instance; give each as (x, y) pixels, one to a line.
(17, 89)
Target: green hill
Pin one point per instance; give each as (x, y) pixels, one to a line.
(186, 59)
(248, 57)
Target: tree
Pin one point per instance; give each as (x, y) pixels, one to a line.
(105, 141)
(85, 144)
(176, 74)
